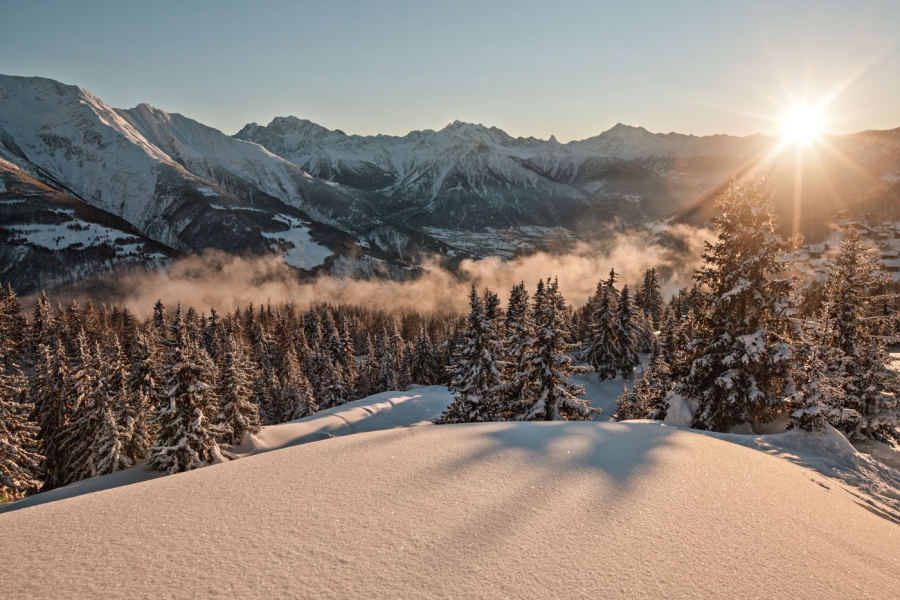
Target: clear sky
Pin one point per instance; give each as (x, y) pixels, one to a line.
(569, 68)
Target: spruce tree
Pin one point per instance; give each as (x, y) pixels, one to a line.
(627, 331)
(54, 407)
(856, 389)
(238, 414)
(649, 299)
(477, 374)
(552, 396)
(600, 351)
(370, 370)
(186, 435)
(424, 368)
(145, 395)
(518, 345)
(20, 460)
(742, 356)
(295, 397)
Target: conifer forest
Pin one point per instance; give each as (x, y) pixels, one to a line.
(87, 390)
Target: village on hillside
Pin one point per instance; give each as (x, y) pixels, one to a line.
(883, 239)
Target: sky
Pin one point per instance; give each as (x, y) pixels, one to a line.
(566, 68)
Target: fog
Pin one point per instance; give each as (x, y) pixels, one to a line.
(226, 282)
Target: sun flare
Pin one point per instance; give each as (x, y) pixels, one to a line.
(803, 125)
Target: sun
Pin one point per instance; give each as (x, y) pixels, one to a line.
(802, 126)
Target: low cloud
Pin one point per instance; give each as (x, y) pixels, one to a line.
(226, 282)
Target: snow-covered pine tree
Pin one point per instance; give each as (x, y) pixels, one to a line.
(477, 373)
(320, 372)
(647, 399)
(517, 345)
(265, 383)
(552, 396)
(95, 438)
(159, 321)
(857, 390)
(129, 418)
(600, 351)
(20, 460)
(186, 436)
(742, 358)
(41, 329)
(145, 394)
(295, 397)
(424, 367)
(369, 372)
(13, 325)
(52, 398)
(238, 414)
(627, 330)
(649, 299)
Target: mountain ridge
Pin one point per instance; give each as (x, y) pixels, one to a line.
(380, 203)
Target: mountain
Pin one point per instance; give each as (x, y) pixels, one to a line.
(857, 173)
(471, 177)
(48, 237)
(326, 201)
(177, 182)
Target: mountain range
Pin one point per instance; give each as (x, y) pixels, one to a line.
(86, 188)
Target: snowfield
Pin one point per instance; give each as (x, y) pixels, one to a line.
(581, 509)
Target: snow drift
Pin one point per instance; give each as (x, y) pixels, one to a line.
(509, 509)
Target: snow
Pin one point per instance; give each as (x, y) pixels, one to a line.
(206, 191)
(513, 509)
(57, 237)
(387, 410)
(303, 252)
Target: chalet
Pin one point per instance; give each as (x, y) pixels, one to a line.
(816, 250)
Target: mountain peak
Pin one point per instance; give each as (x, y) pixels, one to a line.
(623, 128)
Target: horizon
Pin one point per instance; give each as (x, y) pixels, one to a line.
(572, 73)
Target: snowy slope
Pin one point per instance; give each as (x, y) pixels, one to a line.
(170, 177)
(470, 176)
(388, 410)
(485, 510)
(48, 237)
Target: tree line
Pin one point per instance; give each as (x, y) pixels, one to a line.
(86, 391)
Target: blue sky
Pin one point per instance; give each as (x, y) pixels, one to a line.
(567, 68)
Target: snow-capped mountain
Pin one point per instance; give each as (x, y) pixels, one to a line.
(180, 183)
(319, 197)
(48, 237)
(468, 176)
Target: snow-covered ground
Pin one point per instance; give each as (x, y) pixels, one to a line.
(299, 249)
(376, 508)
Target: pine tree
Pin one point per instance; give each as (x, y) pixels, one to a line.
(186, 437)
(626, 335)
(370, 371)
(477, 374)
(145, 395)
(855, 389)
(600, 351)
(649, 299)
(647, 399)
(424, 367)
(54, 407)
(96, 437)
(518, 345)
(295, 397)
(20, 460)
(742, 358)
(552, 396)
(238, 414)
